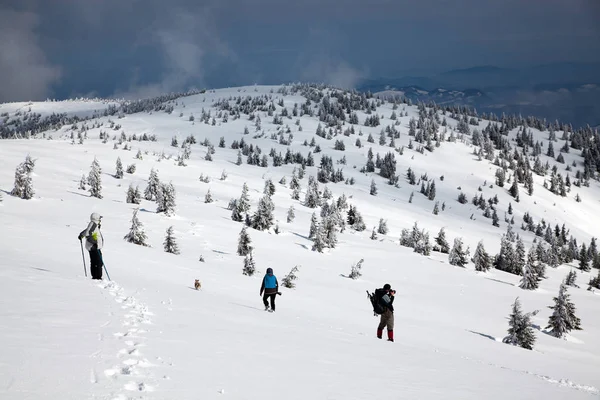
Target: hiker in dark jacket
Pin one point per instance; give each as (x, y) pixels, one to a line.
(94, 243)
(270, 287)
(385, 297)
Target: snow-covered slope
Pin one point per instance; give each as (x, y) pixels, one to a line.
(148, 334)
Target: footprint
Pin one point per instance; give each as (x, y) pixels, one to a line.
(138, 387)
(93, 376)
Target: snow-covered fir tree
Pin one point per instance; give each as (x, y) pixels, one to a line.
(373, 235)
(481, 259)
(170, 244)
(355, 270)
(23, 183)
(563, 319)
(382, 228)
(119, 169)
(571, 278)
(249, 267)
(441, 244)
(153, 187)
(95, 180)
(314, 226)
(329, 231)
(208, 197)
(136, 233)
(288, 281)
(529, 279)
(319, 243)
(165, 199)
(458, 256)
(243, 203)
(291, 214)
(373, 190)
(133, 195)
(83, 182)
(263, 217)
(244, 243)
(269, 187)
(520, 332)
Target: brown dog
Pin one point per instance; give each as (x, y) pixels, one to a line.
(197, 284)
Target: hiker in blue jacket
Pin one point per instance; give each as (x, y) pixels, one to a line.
(270, 287)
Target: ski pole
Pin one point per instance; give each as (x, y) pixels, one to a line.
(105, 270)
(83, 256)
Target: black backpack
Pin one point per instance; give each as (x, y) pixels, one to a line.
(375, 299)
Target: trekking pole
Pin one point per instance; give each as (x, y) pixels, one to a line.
(105, 270)
(83, 256)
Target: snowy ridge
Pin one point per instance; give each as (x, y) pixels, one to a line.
(153, 336)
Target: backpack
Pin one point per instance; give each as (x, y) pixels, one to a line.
(375, 299)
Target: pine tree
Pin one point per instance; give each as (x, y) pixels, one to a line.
(82, 182)
(520, 260)
(131, 195)
(355, 270)
(291, 214)
(249, 267)
(269, 187)
(359, 224)
(514, 189)
(436, 208)
(594, 282)
(458, 256)
(208, 197)
(314, 226)
(373, 235)
(263, 217)
(584, 262)
(136, 234)
(520, 332)
(481, 258)
(244, 243)
(165, 199)
(441, 243)
(535, 264)
(95, 180)
(410, 199)
(288, 280)
(529, 280)
(119, 173)
(244, 201)
(571, 278)
(431, 192)
(563, 318)
(153, 186)
(170, 245)
(373, 190)
(382, 227)
(23, 183)
(319, 239)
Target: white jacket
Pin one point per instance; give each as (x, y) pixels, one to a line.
(93, 235)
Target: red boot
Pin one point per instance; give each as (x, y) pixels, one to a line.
(379, 333)
(390, 336)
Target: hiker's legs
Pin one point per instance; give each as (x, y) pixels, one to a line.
(265, 300)
(273, 301)
(96, 264)
(382, 323)
(390, 326)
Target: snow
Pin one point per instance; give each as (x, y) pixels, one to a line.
(149, 334)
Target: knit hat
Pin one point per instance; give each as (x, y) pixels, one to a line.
(269, 270)
(387, 286)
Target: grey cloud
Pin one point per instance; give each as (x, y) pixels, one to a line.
(25, 73)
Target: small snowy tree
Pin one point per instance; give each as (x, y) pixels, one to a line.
(382, 228)
(458, 256)
(314, 226)
(136, 233)
(208, 197)
(373, 190)
(244, 243)
(244, 200)
(82, 182)
(288, 280)
(291, 214)
(165, 199)
(95, 180)
(373, 235)
(249, 267)
(269, 187)
(170, 245)
(481, 258)
(441, 244)
(119, 173)
(355, 270)
(153, 187)
(571, 278)
(23, 183)
(319, 239)
(133, 195)
(529, 280)
(520, 332)
(263, 217)
(563, 318)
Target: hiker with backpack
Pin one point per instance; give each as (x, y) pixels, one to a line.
(382, 300)
(93, 244)
(270, 287)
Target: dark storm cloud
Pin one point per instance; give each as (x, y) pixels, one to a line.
(144, 47)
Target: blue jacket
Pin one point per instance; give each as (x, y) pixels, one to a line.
(269, 284)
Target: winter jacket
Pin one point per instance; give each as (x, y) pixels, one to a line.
(269, 285)
(386, 300)
(93, 236)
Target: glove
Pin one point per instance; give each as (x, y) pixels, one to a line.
(260, 294)
(279, 293)
(80, 237)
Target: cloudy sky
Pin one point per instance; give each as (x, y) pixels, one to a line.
(64, 48)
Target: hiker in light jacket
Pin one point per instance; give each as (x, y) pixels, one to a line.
(386, 300)
(270, 287)
(93, 243)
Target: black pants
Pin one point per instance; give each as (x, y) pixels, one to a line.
(266, 297)
(96, 264)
